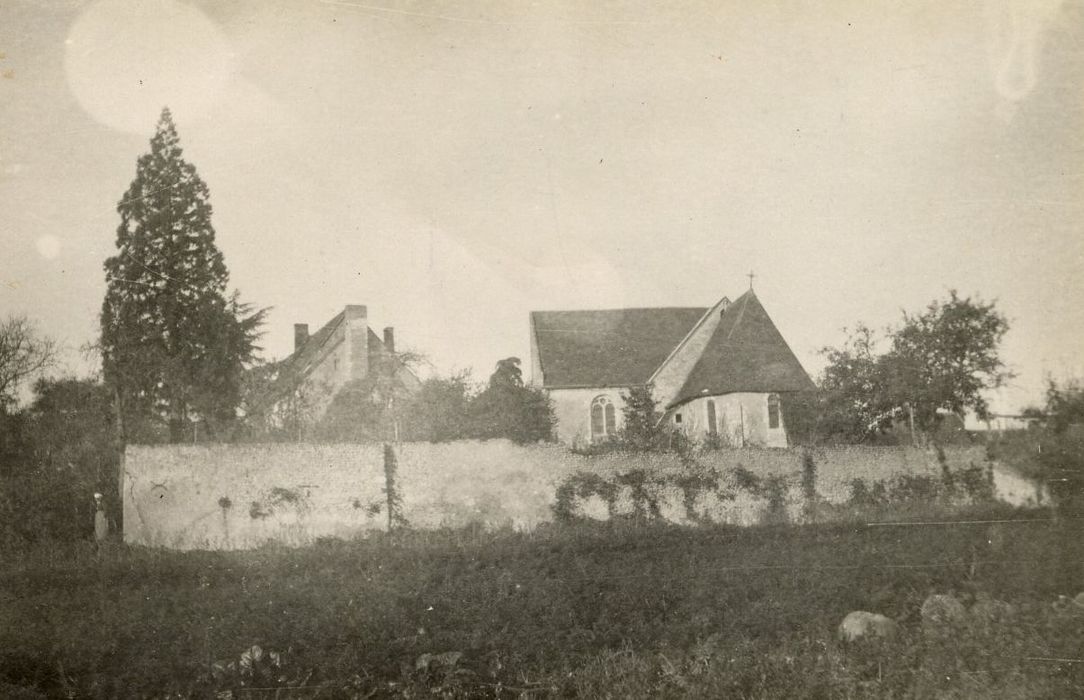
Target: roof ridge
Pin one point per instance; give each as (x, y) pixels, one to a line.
(622, 308)
(744, 300)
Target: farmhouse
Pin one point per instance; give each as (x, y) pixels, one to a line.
(344, 353)
(715, 372)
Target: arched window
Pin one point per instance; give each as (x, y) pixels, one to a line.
(603, 419)
(713, 426)
(773, 410)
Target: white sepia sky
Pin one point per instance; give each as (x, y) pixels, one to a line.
(455, 164)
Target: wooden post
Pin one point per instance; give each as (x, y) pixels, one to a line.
(121, 440)
(741, 418)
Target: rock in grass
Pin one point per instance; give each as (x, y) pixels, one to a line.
(862, 625)
(940, 610)
(990, 609)
(1065, 605)
(448, 659)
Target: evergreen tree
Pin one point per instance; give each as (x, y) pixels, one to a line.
(643, 429)
(509, 409)
(174, 344)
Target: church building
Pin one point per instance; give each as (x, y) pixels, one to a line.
(714, 372)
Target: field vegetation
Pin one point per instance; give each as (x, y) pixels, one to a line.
(618, 609)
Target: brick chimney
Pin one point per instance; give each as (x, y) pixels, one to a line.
(389, 340)
(356, 341)
(301, 335)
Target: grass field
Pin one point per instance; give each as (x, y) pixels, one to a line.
(612, 610)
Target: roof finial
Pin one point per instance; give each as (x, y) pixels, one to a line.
(750, 276)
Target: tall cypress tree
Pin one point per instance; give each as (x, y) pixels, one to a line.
(174, 344)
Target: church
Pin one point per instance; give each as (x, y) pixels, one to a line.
(716, 372)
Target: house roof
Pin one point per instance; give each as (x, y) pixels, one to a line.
(301, 360)
(746, 353)
(287, 374)
(611, 347)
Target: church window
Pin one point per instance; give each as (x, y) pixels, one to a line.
(713, 426)
(677, 417)
(773, 410)
(603, 418)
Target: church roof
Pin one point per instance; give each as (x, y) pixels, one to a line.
(611, 347)
(746, 353)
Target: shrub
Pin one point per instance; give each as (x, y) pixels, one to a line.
(581, 485)
(775, 491)
(745, 479)
(913, 488)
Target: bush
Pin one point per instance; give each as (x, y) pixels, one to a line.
(56, 454)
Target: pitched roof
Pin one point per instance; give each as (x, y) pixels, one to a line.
(746, 353)
(613, 347)
(289, 373)
(301, 360)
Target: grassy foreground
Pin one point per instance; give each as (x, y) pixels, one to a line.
(614, 610)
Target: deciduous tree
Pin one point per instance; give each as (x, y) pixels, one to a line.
(940, 360)
(24, 354)
(945, 358)
(440, 411)
(1061, 457)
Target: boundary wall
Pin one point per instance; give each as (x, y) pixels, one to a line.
(241, 496)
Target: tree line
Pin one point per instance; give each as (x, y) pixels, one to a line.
(180, 362)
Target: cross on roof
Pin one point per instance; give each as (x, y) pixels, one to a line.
(750, 276)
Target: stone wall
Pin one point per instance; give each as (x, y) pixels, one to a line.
(239, 496)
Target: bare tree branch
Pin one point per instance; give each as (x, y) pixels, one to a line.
(24, 354)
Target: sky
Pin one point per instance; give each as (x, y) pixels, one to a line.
(454, 165)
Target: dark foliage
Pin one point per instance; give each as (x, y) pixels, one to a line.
(507, 408)
(174, 344)
(356, 414)
(937, 362)
(944, 358)
(391, 489)
(1061, 450)
(57, 453)
(440, 411)
(642, 428)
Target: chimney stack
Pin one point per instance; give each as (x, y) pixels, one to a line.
(301, 335)
(356, 341)
(389, 340)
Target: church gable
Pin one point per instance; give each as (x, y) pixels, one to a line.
(671, 375)
(746, 354)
